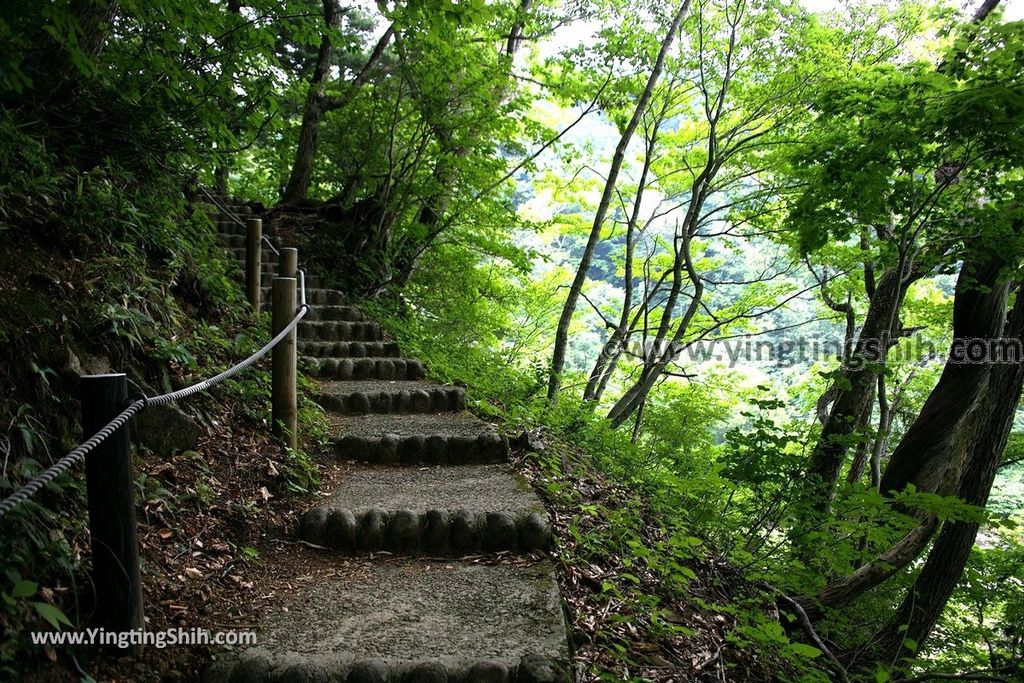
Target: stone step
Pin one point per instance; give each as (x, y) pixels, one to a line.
(348, 349)
(226, 219)
(231, 229)
(442, 510)
(455, 438)
(363, 368)
(239, 209)
(266, 256)
(315, 294)
(267, 279)
(232, 241)
(335, 312)
(238, 240)
(268, 271)
(379, 396)
(330, 312)
(339, 330)
(408, 622)
(266, 265)
(228, 228)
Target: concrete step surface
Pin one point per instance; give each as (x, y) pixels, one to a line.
(340, 312)
(239, 254)
(456, 438)
(266, 265)
(340, 330)
(425, 479)
(267, 281)
(232, 241)
(227, 226)
(379, 396)
(315, 294)
(441, 510)
(362, 368)
(405, 622)
(348, 349)
(317, 314)
(238, 240)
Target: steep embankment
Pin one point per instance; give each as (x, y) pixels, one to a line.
(90, 291)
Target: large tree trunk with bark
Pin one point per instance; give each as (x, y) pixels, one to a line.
(576, 288)
(931, 454)
(927, 597)
(95, 18)
(318, 103)
(937, 444)
(830, 451)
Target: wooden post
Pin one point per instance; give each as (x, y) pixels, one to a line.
(288, 266)
(253, 266)
(283, 373)
(110, 489)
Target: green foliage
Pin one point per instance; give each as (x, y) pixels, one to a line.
(111, 264)
(981, 627)
(777, 139)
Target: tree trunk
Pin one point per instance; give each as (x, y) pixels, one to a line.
(927, 597)
(222, 172)
(297, 188)
(611, 351)
(932, 452)
(859, 378)
(845, 589)
(220, 179)
(431, 214)
(94, 18)
(924, 456)
(662, 354)
(562, 331)
(860, 454)
(882, 437)
(515, 34)
(317, 103)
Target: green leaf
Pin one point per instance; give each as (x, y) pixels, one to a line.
(804, 650)
(51, 614)
(23, 589)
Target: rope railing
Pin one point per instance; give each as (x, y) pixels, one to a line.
(107, 409)
(74, 457)
(223, 209)
(238, 221)
(140, 404)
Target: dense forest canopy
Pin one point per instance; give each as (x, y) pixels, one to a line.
(759, 260)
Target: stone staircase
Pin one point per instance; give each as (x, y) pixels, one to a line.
(430, 492)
